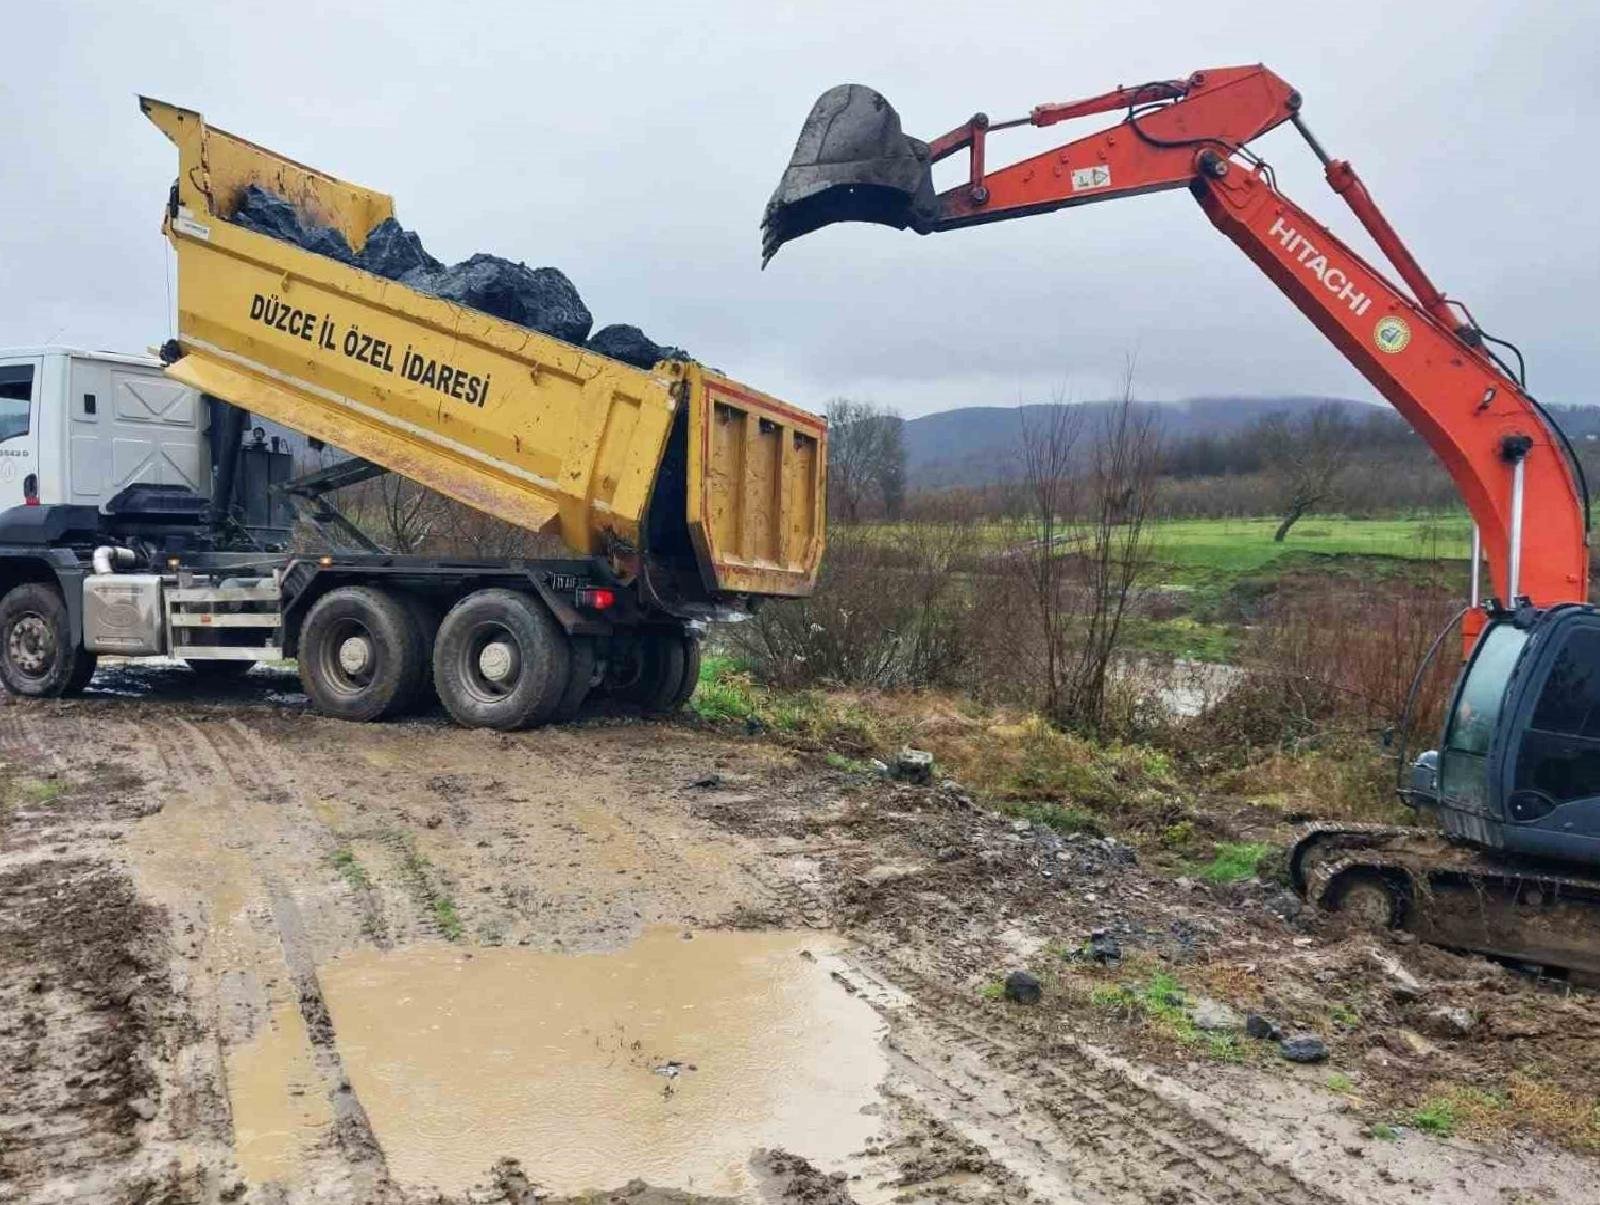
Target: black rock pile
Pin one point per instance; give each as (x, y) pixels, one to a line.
(541, 299)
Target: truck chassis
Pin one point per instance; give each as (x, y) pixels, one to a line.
(503, 644)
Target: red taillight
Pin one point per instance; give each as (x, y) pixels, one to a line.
(597, 598)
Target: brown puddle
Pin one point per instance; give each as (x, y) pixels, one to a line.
(566, 1062)
(279, 1109)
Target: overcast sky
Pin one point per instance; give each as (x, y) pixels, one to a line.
(633, 146)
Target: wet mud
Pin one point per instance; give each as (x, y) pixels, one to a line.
(249, 954)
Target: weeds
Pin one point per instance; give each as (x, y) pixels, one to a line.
(1437, 1116)
(724, 692)
(1383, 1131)
(1524, 1101)
(1340, 1082)
(993, 990)
(1224, 1047)
(1235, 861)
(1056, 816)
(350, 870)
(444, 915)
(1159, 1000)
(419, 876)
(40, 791)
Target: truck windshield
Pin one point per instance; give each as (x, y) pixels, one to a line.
(1477, 711)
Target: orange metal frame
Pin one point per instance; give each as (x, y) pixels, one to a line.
(1425, 358)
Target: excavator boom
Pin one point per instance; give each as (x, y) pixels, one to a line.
(1506, 457)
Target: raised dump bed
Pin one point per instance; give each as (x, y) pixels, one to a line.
(705, 490)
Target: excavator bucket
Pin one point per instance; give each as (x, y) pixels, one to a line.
(851, 164)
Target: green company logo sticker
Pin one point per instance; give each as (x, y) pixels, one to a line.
(1391, 334)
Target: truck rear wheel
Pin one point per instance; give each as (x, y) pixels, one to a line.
(362, 654)
(691, 674)
(579, 679)
(657, 681)
(425, 614)
(37, 657)
(500, 661)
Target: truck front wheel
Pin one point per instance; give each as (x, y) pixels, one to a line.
(363, 656)
(37, 656)
(500, 661)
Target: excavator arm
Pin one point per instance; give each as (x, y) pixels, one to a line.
(1506, 456)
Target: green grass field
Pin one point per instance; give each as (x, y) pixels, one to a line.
(1246, 546)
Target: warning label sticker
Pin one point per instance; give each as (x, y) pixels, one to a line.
(1091, 177)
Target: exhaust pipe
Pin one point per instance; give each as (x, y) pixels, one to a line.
(108, 559)
(852, 163)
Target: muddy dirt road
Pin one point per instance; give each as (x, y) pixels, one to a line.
(249, 954)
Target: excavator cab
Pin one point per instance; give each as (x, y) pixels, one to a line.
(1518, 767)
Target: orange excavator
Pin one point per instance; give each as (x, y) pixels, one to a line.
(1511, 865)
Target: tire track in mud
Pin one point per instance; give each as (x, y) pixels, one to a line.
(236, 770)
(1063, 1115)
(123, 1098)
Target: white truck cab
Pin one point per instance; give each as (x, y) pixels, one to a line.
(77, 427)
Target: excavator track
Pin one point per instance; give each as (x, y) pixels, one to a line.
(1452, 895)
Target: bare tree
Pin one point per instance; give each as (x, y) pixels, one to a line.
(1124, 464)
(1048, 453)
(1306, 459)
(1089, 546)
(408, 511)
(866, 458)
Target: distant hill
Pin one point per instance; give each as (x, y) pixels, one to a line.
(975, 445)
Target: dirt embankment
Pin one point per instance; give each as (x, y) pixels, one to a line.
(196, 896)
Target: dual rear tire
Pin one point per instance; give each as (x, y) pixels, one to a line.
(497, 659)
(660, 671)
(501, 661)
(363, 654)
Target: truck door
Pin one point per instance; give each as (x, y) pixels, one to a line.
(20, 385)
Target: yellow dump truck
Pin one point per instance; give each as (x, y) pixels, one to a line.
(678, 495)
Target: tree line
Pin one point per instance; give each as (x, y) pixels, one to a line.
(1333, 457)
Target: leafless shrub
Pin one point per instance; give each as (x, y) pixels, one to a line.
(1324, 662)
(1085, 548)
(895, 607)
(405, 517)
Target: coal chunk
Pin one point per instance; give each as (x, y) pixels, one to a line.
(1262, 1028)
(267, 213)
(629, 344)
(542, 299)
(1104, 948)
(393, 251)
(1023, 988)
(622, 341)
(1304, 1048)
